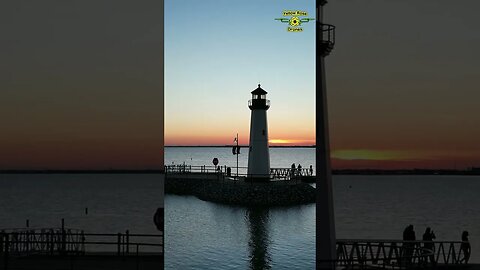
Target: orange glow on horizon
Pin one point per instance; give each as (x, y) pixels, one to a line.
(401, 159)
(367, 154)
(291, 142)
(185, 141)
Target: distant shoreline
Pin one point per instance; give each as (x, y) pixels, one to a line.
(334, 172)
(81, 171)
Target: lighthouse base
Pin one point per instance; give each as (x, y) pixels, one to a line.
(208, 187)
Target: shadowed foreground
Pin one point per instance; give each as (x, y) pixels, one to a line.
(437, 267)
(90, 262)
(66, 248)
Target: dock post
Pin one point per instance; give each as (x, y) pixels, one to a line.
(119, 241)
(50, 241)
(127, 234)
(2, 235)
(7, 247)
(64, 238)
(83, 242)
(27, 241)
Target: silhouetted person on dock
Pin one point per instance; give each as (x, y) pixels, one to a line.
(311, 170)
(408, 235)
(292, 173)
(299, 170)
(465, 247)
(428, 237)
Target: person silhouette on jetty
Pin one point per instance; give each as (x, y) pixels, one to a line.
(465, 247)
(408, 235)
(311, 170)
(292, 172)
(299, 170)
(428, 237)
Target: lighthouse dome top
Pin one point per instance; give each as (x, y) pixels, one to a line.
(259, 91)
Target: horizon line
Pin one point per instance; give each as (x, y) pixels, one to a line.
(244, 145)
(346, 171)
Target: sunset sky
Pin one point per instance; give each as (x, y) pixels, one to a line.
(403, 83)
(402, 80)
(216, 52)
(80, 81)
(80, 84)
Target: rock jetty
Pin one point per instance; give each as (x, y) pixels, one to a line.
(219, 189)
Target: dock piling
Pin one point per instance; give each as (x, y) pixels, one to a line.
(6, 255)
(119, 242)
(127, 236)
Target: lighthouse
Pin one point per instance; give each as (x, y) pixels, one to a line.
(325, 226)
(258, 153)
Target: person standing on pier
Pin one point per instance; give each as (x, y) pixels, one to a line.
(292, 171)
(428, 237)
(299, 170)
(311, 170)
(408, 235)
(465, 247)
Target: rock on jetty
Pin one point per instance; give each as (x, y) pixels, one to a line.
(216, 188)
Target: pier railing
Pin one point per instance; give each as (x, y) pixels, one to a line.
(275, 173)
(58, 241)
(356, 253)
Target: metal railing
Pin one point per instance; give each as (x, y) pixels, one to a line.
(275, 173)
(328, 33)
(261, 102)
(397, 254)
(57, 241)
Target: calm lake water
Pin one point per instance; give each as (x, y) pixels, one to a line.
(204, 235)
(116, 202)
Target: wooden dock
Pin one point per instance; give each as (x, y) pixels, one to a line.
(62, 248)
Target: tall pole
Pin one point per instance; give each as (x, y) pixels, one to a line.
(325, 226)
(237, 155)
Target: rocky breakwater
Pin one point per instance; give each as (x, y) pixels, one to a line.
(216, 188)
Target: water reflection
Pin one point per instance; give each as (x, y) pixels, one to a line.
(258, 243)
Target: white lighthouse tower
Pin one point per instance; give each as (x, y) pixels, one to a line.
(258, 154)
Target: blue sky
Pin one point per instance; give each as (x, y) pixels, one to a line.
(216, 52)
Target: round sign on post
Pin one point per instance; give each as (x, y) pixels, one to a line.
(158, 219)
